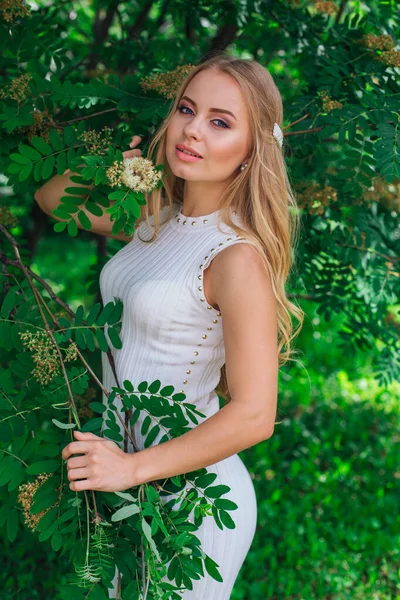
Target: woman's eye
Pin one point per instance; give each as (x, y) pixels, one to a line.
(224, 125)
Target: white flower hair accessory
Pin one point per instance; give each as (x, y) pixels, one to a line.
(278, 134)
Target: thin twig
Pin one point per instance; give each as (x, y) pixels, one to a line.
(18, 263)
(14, 456)
(38, 299)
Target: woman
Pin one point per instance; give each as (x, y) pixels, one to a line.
(203, 287)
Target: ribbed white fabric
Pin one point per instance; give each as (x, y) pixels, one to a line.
(170, 332)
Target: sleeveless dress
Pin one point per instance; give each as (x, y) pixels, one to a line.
(170, 332)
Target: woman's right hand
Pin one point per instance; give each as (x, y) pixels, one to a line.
(132, 153)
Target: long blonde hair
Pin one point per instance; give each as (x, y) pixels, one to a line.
(261, 194)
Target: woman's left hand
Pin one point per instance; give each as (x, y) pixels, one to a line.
(103, 466)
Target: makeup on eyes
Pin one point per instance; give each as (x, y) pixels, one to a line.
(226, 126)
(219, 110)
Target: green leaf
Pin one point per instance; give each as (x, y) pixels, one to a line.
(119, 195)
(116, 313)
(98, 592)
(152, 494)
(7, 466)
(69, 203)
(93, 313)
(167, 390)
(133, 206)
(152, 436)
(44, 501)
(12, 525)
(145, 425)
(56, 140)
(73, 159)
(172, 568)
(225, 504)
(29, 152)
(56, 541)
(9, 302)
(44, 535)
(6, 433)
(105, 313)
(118, 225)
(204, 480)
(101, 340)
(155, 386)
(217, 491)
(48, 519)
(72, 228)
(18, 158)
(125, 512)
(37, 171)
(63, 425)
(211, 568)
(113, 435)
(48, 166)
(60, 226)
(13, 168)
(93, 425)
(41, 145)
(147, 532)
(112, 425)
(127, 496)
(99, 176)
(80, 339)
(128, 385)
(84, 220)
(45, 466)
(135, 416)
(94, 208)
(226, 519)
(25, 172)
(114, 338)
(89, 339)
(79, 315)
(97, 407)
(63, 212)
(61, 163)
(77, 191)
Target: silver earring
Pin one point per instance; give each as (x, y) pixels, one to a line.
(243, 166)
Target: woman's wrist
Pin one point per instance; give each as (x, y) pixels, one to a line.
(135, 469)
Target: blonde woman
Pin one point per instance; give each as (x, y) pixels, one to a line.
(203, 286)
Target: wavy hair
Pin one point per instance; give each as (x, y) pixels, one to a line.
(261, 194)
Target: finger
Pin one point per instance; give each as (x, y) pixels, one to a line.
(75, 448)
(135, 141)
(129, 153)
(86, 435)
(77, 462)
(74, 474)
(83, 484)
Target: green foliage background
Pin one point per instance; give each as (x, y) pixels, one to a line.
(327, 480)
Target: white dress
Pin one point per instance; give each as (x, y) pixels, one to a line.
(170, 332)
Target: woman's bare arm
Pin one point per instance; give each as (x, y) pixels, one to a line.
(48, 198)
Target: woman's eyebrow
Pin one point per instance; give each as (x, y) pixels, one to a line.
(219, 110)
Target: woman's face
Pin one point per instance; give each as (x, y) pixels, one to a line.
(223, 140)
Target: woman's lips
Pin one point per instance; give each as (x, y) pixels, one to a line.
(186, 157)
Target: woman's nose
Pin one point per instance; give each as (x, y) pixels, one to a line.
(192, 130)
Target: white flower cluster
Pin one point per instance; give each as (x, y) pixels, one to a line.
(139, 174)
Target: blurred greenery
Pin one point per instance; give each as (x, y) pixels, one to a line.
(327, 481)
